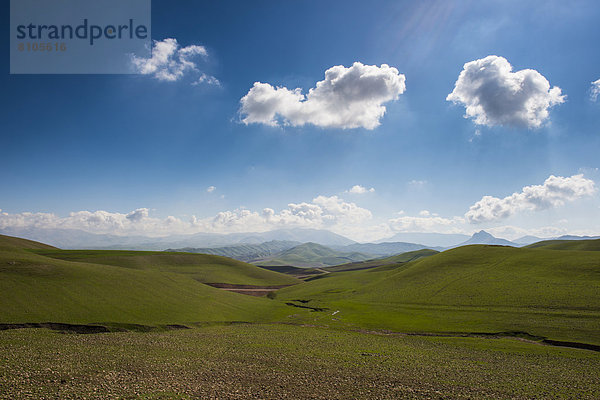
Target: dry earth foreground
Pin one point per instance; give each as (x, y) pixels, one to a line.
(476, 322)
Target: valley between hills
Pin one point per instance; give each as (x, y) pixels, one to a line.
(307, 321)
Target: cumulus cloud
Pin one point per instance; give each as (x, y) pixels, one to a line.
(323, 212)
(358, 189)
(595, 90)
(347, 98)
(137, 215)
(494, 95)
(170, 62)
(555, 191)
(137, 221)
(211, 189)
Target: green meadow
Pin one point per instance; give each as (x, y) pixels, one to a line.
(548, 293)
(472, 322)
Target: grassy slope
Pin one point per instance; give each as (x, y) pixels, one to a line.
(378, 262)
(36, 288)
(312, 255)
(10, 242)
(201, 267)
(582, 245)
(468, 289)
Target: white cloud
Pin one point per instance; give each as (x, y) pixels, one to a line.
(211, 189)
(494, 95)
(358, 189)
(347, 98)
(169, 61)
(555, 192)
(427, 222)
(137, 215)
(595, 90)
(323, 212)
(427, 213)
(208, 79)
(137, 221)
(417, 183)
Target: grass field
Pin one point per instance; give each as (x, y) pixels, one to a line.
(151, 288)
(281, 361)
(378, 262)
(469, 289)
(312, 255)
(470, 322)
(204, 268)
(583, 245)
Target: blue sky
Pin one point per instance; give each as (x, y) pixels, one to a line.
(118, 143)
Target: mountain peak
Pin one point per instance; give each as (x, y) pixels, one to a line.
(482, 235)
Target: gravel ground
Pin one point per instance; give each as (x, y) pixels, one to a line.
(280, 361)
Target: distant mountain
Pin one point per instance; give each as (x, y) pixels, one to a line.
(429, 240)
(573, 237)
(244, 252)
(78, 239)
(312, 255)
(320, 236)
(385, 248)
(482, 237)
(527, 240)
(578, 244)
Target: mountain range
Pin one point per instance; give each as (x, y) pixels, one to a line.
(78, 239)
(312, 255)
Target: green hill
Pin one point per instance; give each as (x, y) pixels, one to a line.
(38, 288)
(311, 255)
(243, 252)
(379, 262)
(204, 268)
(583, 245)
(10, 242)
(468, 289)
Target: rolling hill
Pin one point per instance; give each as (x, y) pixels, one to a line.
(474, 288)
(379, 262)
(383, 249)
(583, 245)
(49, 285)
(203, 268)
(312, 255)
(244, 252)
(12, 243)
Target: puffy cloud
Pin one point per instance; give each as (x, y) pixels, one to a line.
(137, 215)
(358, 189)
(170, 62)
(347, 98)
(555, 192)
(494, 95)
(137, 221)
(595, 90)
(211, 189)
(323, 212)
(427, 213)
